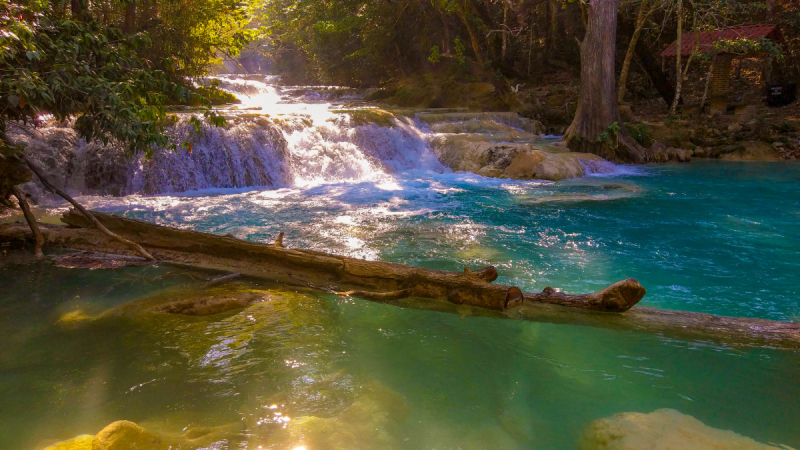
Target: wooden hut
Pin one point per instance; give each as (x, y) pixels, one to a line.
(721, 70)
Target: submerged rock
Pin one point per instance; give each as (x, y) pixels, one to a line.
(520, 161)
(367, 423)
(664, 429)
(125, 435)
(207, 304)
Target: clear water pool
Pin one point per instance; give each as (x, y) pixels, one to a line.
(722, 238)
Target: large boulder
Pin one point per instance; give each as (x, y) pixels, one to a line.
(664, 429)
(126, 435)
(520, 161)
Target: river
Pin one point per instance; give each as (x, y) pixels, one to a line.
(318, 370)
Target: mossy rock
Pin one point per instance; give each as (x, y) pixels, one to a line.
(217, 96)
(359, 117)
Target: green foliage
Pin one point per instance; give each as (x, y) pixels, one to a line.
(434, 56)
(87, 71)
(216, 96)
(188, 36)
(610, 136)
(641, 132)
(745, 46)
(459, 49)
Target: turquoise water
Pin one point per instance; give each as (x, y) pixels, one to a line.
(721, 238)
(714, 237)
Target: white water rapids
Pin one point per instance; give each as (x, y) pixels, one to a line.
(278, 137)
(273, 139)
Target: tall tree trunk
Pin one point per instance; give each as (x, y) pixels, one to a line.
(651, 65)
(530, 48)
(626, 65)
(473, 36)
(78, 9)
(552, 28)
(505, 31)
(678, 72)
(708, 85)
(597, 105)
(130, 17)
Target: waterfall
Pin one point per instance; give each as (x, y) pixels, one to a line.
(278, 136)
(272, 139)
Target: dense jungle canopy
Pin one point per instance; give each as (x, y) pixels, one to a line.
(114, 64)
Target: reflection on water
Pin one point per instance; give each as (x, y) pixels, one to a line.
(300, 369)
(81, 349)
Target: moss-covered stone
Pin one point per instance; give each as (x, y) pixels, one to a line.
(375, 116)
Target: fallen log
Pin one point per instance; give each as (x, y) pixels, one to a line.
(385, 284)
(368, 279)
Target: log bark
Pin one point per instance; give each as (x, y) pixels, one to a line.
(413, 287)
(333, 273)
(29, 217)
(597, 105)
(52, 188)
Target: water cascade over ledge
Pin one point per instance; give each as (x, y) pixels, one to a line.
(290, 136)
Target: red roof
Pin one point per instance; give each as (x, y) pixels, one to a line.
(708, 38)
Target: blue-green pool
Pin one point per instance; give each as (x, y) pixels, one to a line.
(722, 238)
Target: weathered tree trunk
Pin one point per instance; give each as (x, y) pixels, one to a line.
(29, 217)
(474, 40)
(130, 17)
(469, 293)
(708, 85)
(52, 188)
(597, 106)
(641, 17)
(651, 66)
(678, 72)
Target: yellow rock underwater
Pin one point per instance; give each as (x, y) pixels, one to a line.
(664, 429)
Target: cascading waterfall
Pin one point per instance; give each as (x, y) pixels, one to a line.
(277, 137)
(289, 142)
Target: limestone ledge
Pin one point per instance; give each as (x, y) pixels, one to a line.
(515, 160)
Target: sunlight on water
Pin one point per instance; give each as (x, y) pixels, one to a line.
(81, 349)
